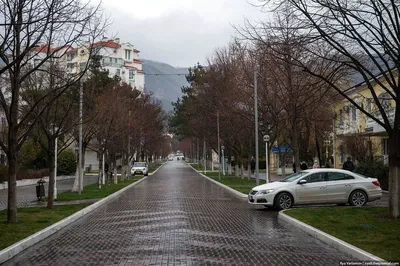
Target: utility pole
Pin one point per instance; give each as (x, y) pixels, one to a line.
(219, 155)
(80, 137)
(256, 127)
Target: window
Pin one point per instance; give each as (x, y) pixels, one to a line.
(385, 148)
(131, 74)
(333, 176)
(353, 113)
(317, 177)
(369, 106)
(128, 54)
(115, 60)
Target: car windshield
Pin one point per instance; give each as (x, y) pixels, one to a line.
(139, 164)
(293, 177)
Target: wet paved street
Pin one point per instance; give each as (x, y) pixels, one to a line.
(177, 217)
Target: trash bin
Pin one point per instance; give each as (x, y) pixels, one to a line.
(40, 193)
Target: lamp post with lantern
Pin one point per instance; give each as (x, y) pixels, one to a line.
(266, 139)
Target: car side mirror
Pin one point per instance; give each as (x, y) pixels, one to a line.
(302, 182)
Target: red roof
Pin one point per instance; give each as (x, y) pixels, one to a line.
(140, 71)
(136, 51)
(137, 61)
(109, 43)
(43, 48)
(130, 67)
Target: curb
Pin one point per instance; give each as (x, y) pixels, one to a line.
(237, 193)
(152, 173)
(11, 251)
(340, 245)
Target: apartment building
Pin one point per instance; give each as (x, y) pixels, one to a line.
(351, 122)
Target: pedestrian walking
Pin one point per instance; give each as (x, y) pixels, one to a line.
(316, 164)
(348, 165)
(252, 165)
(294, 167)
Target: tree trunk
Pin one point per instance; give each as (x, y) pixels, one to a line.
(394, 167)
(295, 146)
(12, 183)
(51, 158)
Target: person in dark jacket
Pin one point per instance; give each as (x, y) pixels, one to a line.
(294, 167)
(348, 165)
(303, 166)
(252, 165)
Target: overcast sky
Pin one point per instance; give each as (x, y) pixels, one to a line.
(177, 32)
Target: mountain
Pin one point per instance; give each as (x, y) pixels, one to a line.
(165, 81)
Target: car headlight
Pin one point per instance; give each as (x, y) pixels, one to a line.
(144, 169)
(264, 192)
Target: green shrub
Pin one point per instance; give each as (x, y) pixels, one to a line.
(3, 173)
(375, 169)
(66, 162)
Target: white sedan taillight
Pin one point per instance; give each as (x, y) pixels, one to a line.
(376, 183)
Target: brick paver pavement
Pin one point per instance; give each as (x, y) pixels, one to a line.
(176, 217)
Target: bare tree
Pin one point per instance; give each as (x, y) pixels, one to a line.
(363, 39)
(33, 32)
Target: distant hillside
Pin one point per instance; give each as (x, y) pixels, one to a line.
(167, 84)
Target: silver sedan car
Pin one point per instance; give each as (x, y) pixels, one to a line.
(317, 186)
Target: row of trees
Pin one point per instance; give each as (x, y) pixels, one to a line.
(40, 97)
(309, 53)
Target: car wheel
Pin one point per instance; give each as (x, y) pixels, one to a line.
(283, 201)
(146, 174)
(358, 198)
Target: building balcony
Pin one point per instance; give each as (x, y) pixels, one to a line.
(373, 127)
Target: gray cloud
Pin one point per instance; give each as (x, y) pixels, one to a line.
(181, 37)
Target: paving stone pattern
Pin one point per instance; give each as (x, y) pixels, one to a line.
(177, 217)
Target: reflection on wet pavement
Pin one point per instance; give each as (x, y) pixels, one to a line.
(176, 217)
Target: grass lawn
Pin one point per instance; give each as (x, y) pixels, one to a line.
(32, 220)
(366, 228)
(91, 191)
(196, 166)
(242, 185)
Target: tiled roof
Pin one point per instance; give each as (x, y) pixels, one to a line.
(109, 43)
(137, 61)
(136, 51)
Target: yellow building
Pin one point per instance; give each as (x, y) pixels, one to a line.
(355, 134)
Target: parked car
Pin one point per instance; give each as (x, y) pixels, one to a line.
(170, 158)
(140, 168)
(316, 186)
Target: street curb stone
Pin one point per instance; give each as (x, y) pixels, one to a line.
(11, 251)
(340, 245)
(234, 191)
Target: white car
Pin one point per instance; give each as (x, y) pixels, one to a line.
(316, 186)
(140, 168)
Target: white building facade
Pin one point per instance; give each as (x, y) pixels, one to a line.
(122, 60)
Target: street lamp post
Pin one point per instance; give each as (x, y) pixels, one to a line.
(80, 137)
(223, 160)
(266, 139)
(219, 155)
(55, 168)
(256, 127)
